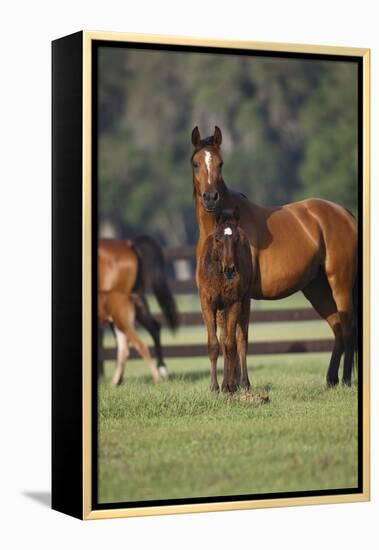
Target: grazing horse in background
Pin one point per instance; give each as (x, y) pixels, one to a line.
(308, 246)
(224, 277)
(126, 269)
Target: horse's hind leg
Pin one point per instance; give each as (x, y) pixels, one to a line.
(343, 297)
(123, 314)
(144, 352)
(122, 355)
(349, 357)
(319, 293)
(153, 327)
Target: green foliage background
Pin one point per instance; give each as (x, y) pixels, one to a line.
(289, 132)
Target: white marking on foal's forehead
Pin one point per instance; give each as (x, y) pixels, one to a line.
(228, 231)
(208, 158)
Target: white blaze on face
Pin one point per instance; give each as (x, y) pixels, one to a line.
(228, 231)
(208, 158)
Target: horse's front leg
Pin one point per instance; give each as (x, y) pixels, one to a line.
(229, 383)
(209, 316)
(242, 342)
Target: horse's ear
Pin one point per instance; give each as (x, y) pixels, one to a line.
(195, 137)
(236, 213)
(217, 137)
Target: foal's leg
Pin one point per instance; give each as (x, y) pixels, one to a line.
(319, 293)
(122, 355)
(209, 316)
(232, 314)
(242, 342)
(221, 323)
(144, 317)
(124, 320)
(144, 352)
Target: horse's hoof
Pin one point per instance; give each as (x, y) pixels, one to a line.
(346, 383)
(229, 388)
(332, 382)
(215, 388)
(163, 372)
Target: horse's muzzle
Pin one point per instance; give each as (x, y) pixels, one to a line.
(210, 201)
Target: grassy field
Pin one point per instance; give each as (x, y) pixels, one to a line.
(176, 440)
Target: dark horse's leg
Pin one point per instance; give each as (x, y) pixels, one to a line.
(242, 342)
(153, 327)
(343, 296)
(319, 293)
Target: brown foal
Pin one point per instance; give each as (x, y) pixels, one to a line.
(224, 276)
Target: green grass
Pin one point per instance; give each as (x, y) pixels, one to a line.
(176, 440)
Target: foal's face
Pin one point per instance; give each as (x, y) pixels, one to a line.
(226, 239)
(206, 169)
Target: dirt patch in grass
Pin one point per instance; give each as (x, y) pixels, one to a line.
(255, 398)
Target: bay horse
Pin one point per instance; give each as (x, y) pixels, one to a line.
(224, 277)
(126, 269)
(308, 246)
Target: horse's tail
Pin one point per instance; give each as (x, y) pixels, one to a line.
(152, 274)
(355, 326)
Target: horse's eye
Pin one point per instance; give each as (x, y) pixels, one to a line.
(221, 165)
(195, 164)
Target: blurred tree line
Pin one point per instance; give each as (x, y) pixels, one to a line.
(289, 132)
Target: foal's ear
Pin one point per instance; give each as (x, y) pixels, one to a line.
(236, 213)
(217, 137)
(195, 137)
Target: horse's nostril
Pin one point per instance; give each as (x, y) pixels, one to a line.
(215, 196)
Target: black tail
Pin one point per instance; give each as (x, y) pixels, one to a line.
(151, 274)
